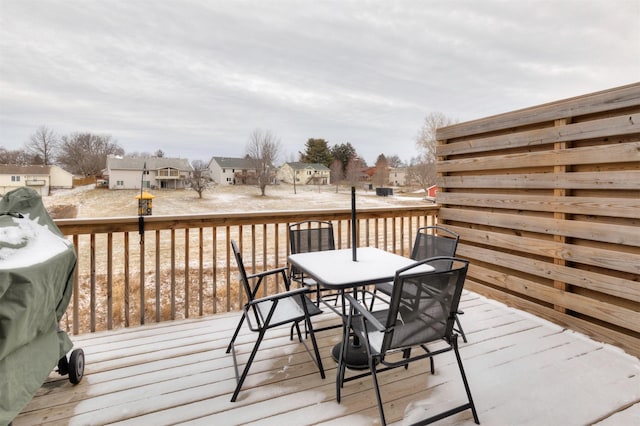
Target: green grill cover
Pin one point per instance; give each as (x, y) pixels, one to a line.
(37, 265)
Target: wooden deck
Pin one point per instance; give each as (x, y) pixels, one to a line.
(522, 370)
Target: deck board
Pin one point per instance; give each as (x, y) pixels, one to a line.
(521, 369)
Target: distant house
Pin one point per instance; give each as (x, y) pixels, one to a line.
(304, 173)
(40, 178)
(160, 173)
(398, 176)
(232, 171)
(432, 191)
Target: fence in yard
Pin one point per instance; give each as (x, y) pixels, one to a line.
(182, 266)
(547, 203)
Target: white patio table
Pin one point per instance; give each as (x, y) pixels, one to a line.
(336, 269)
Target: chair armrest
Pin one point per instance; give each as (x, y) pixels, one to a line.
(283, 295)
(268, 272)
(357, 306)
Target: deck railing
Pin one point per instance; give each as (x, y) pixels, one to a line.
(182, 266)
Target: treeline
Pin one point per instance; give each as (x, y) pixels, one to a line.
(83, 154)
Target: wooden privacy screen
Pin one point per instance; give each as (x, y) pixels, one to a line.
(547, 204)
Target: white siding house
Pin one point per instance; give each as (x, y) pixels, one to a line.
(304, 173)
(232, 171)
(40, 178)
(153, 172)
(398, 176)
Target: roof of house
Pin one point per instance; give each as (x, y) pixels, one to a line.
(152, 163)
(234, 163)
(12, 169)
(297, 165)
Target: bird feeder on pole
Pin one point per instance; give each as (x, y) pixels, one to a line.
(145, 203)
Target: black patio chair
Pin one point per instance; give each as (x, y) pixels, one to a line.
(310, 236)
(430, 241)
(422, 310)
(264, 313)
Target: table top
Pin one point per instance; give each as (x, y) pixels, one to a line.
(336, 268)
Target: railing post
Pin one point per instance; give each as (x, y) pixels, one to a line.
(142, 279)
(102, 288)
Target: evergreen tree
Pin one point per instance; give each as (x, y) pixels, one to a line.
(317, 151)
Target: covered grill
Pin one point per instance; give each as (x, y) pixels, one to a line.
(37, 266)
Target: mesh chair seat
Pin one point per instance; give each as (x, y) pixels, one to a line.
(430, 241)
(422, 310)
(310, 236)
(405, 335)
(286, 311)
(262, 314)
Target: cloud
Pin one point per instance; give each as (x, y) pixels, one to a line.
(194, 78)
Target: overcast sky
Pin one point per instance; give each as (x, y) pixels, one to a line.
(195, 78)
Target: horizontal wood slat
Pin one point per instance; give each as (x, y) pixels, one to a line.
(615, 234)
(614, 153)
(178, 372)
(547, 204)
(606, 127)
(623, 340)
(600, 102)
(602, 258)
(596, 206)
(611, 313)
(609, 180)
(546, 270)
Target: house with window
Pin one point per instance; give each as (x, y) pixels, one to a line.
(152, 172)
(304, 173)
(398, 176)
(40, 178)
(232, 171)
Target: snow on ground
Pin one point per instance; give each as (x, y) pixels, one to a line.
(93, 202)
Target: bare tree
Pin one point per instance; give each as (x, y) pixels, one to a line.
(42, 146)
(16, 157)
(381, 175)
(422, 171)
(337, 173)
(140, 154)
(354, 170)
(86, 154)
(426, 138)
(263, 150)
(394, 161)
(200, 179)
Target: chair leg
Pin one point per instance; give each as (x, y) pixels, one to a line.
(309, 328)
(432, 364)
(406, 354)
(235, 334)
(460, 330)
(246, 368)
(297, 327)
(372, 367)
(466, 383)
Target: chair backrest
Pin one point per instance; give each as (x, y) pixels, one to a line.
(433, 241)
(424, 303)
(311, 235)
(243, 273)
